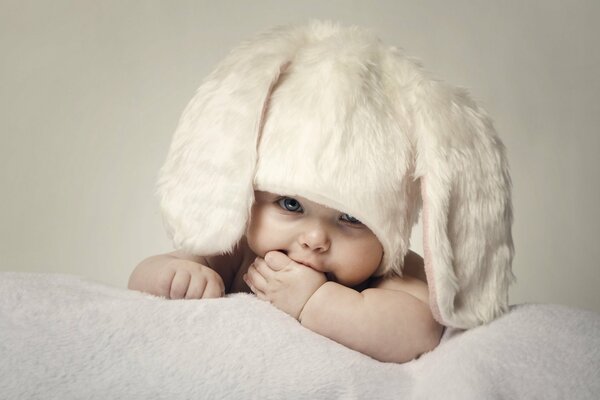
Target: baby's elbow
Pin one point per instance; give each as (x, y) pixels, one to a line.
(427, 332)
(427, 337)
(415, 343)
(431, 338)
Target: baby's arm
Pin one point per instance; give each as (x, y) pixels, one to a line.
(177, 275)
(389, 322)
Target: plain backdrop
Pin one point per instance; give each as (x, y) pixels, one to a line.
(91, 91)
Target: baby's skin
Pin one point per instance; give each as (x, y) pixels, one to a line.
(316, 264)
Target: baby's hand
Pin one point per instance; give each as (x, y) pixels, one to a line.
(285, 283)
(187, 279)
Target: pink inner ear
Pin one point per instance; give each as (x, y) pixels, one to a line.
(433, 304)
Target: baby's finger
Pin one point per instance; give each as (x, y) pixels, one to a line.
(264, 269)
(213, 290)
(196, 287)
(256, 291)
(258, 260)
(277, 261)
(164, 282)
(179, 285)
(255, 281)
(255, 277)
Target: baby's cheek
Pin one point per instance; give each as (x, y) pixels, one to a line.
(357, 265)
(262, 234)
(254, 244)
(259, 243)
(369, 254)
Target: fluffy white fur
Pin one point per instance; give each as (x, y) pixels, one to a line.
(63, 337)
(332, 114)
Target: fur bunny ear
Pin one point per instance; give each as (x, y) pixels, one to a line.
(467, 211)
(208, 175)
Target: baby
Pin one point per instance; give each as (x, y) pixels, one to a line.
(297, 172)
(316, 264)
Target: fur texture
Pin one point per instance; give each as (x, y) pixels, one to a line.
(332, 114)
(63, 337)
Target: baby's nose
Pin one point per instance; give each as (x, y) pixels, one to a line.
(315, 238)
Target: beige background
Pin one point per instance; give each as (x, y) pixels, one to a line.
(90, 93)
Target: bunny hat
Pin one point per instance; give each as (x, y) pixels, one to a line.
(330, 113)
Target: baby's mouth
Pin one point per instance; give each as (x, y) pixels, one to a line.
(314, 266)
(317, 266)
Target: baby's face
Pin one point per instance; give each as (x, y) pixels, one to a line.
(325, 239)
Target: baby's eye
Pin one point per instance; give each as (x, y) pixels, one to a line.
(290, 204)
(350, 218)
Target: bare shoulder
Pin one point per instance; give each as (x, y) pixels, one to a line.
(408, 284)
(412, 282)
(414, 266)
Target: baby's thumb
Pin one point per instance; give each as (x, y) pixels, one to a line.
(277, 260)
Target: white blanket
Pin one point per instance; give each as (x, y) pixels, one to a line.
(64, 337)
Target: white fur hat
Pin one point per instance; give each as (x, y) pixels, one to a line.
(331, 114)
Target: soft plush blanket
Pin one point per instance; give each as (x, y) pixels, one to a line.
(64, 337)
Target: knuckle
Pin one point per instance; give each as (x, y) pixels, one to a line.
(218, 281)
(203, 281)
(190, 266)
(163, 282)
(176, 293)
(212, 291)
(195, 294)
(213, 274)
(180, 284)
